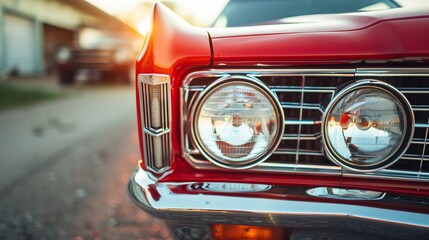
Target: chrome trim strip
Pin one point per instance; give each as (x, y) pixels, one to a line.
(268, 72)
(317, 73)
(302, 122)
(279, 167)
(391, 175)
(303, 167)
(421, 108)
(418, 141)
(414, 157)
(387, 72)
(414, 90)
(422, 125)
(307, 90)
(293, 152)
(302, 136)
(183, 112)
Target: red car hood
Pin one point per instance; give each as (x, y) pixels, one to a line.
(391, 35)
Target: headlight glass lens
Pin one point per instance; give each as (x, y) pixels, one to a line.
(365, 127)
(237, 123)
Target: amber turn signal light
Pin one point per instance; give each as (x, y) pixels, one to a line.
(236, 232)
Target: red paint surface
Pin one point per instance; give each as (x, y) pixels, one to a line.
(371, 39)
(172, 47)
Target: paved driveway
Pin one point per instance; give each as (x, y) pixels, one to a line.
(64, 166)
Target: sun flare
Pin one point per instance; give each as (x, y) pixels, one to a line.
(143, 26)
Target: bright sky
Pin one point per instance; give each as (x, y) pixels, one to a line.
(134, 12)
(113, 7)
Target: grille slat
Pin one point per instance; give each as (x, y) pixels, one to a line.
(292, 152)
(302, 136)
(304, 95)
(425, 152)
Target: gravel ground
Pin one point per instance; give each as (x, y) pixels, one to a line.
(79, 192)
(82, 196)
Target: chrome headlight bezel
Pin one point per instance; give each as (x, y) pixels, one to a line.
(213, 88)
(405, 141)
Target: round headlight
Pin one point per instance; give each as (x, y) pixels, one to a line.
(238, 122)
(368, 126)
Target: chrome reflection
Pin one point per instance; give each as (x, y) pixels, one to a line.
(367, 126)
(237, 122)
(345, 194)
(230, 187)
(170, 202)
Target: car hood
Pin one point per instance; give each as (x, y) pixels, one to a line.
(380, 35)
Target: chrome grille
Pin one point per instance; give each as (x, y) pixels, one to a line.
(414, 84)
(304, 95)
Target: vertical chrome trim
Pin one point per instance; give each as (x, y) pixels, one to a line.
(424, 148)
(298, 142)
(162, 106)
(146, 102)
(146, 82)
(183, 104)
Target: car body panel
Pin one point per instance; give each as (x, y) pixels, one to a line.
(168, 50)
(182, 56)
(342, 38)
(175, 49)
(167, 44)
(238, 13)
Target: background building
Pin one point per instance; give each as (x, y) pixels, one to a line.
(33, 30)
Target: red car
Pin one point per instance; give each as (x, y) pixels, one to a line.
(317, 129)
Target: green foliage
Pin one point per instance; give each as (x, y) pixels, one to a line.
(11, 96)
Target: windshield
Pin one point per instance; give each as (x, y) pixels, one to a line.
(254, 12)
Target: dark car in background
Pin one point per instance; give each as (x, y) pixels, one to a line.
(97, 57)
(312, 129)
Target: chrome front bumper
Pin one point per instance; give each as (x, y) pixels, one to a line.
(190, 209)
